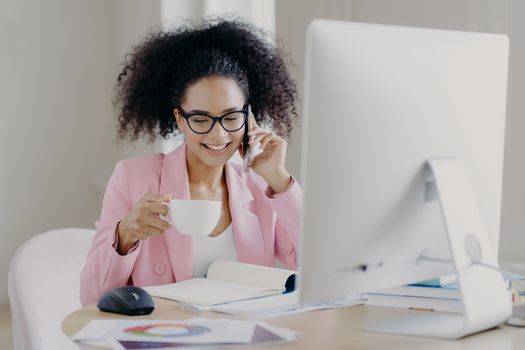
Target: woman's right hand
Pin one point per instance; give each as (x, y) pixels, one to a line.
(143, 221)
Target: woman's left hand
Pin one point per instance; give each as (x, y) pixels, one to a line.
(270, 163)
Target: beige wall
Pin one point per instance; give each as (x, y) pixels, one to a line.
(58, 62)
(493, 16)
(513, 218)
(57, 65)
(290, 29)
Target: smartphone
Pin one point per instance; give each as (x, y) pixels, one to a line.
(248, 153)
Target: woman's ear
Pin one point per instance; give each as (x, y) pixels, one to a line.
(178, 120)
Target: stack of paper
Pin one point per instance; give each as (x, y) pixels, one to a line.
(418, 297)
(439, 295)
(518, 287)
(441, 281)
(154, 334)
(278, 305)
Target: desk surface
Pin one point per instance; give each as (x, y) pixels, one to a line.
(329, 329)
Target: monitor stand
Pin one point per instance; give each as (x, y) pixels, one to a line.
(486, 301)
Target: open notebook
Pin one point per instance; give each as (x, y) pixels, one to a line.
(228, 281)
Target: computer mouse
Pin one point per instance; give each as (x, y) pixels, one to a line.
(128, 300)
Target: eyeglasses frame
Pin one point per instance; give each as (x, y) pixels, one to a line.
(215, 119)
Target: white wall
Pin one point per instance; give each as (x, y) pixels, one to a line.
(58, 65)
(292, 18)
(513, 218)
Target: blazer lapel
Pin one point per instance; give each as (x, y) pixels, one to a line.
(174, 181)
(246, 227)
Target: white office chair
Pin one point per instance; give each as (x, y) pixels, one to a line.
(44, 286)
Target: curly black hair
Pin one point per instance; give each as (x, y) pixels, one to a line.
(158, 71)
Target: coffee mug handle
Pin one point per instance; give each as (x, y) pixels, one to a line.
(165, 218)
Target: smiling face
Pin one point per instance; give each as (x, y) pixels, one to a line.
(214, 96)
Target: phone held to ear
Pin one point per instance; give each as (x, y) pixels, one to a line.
(248, 152)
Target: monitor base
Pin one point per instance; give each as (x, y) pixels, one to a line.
(486, 301)
(428, 324)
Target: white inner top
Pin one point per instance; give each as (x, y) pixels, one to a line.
(207, 249)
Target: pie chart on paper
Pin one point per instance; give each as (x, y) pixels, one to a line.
(168, 330)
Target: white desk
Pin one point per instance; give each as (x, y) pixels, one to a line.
(330, 329)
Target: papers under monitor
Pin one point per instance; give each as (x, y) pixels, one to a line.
(278, 305)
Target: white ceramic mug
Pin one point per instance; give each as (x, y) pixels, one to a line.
(194, 217)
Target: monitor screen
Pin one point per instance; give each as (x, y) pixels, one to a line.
(379, 101)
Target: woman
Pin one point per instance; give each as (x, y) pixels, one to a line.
(176, 81)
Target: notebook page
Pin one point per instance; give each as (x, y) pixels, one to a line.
(254, 275)
(205, 291)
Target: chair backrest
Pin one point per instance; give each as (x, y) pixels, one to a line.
(44, 287)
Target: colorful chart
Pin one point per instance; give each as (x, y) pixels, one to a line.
(168, 330)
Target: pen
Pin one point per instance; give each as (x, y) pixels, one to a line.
(421, 309)
(188, 307)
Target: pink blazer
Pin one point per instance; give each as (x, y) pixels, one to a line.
(265, 227)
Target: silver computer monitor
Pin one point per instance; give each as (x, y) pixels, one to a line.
(379, 101)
